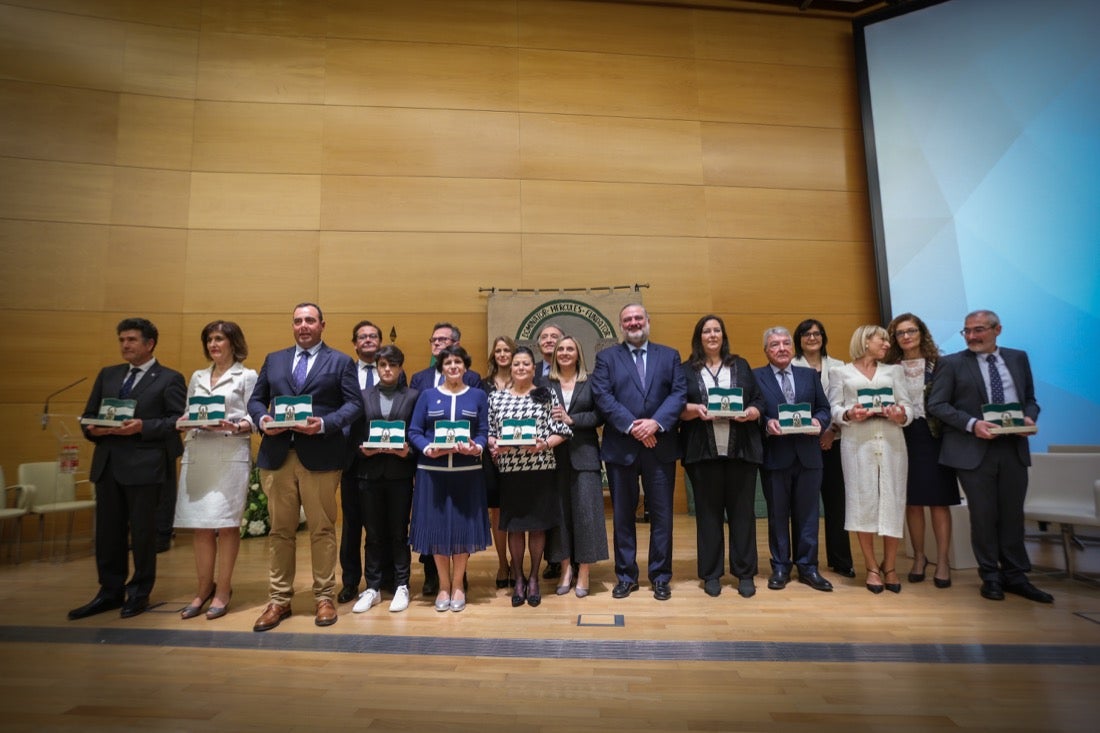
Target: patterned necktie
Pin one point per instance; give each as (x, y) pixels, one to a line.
(996, 386)
(639, 362)
(369, 379)
(786, 385)
(300, 369)
(128, 385)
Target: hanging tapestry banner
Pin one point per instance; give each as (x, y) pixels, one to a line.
(590, 317)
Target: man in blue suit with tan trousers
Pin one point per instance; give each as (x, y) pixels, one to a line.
(792, 464)
(300, 466)
(991, 468)
(639, 387)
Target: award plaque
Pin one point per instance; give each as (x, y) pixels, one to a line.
(796, 418)
(385, 435)
(112, 413)
(873, 400)
(517, 432)
(726, 402)
(1009, 419)
(449, 433)
(292, 411)
(203, 411)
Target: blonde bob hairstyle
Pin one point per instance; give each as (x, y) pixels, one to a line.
(555, 372)
(863, 336)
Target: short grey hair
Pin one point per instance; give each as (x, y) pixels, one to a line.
(776, 331)
(993, 318)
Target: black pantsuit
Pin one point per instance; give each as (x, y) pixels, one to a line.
(724, 487)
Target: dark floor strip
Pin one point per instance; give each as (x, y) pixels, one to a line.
(704, 651)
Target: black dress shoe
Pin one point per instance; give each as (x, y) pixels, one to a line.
(712, 587)
(1030, 592)
(746, 587)
(661, 590)
(347, 594)
(99, 604)
(779, 580)
(431, 585)
(623, 588)
(134, 606)
(845, 572)
(992, 590)
(553, 570)
(812, 578)
(164, 544)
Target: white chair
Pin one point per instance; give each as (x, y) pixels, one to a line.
(1059, 492)
(13, 510)
(53, 492)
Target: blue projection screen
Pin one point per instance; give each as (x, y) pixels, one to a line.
(982, 130)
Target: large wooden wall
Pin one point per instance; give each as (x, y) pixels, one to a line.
(192, 159)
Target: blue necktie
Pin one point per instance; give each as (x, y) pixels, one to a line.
(369, 380)
(639, 362)
(300, 369)
(128, 385)
(996, 386)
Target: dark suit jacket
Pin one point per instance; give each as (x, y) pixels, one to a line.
(385, 465)
(336, 399)
(958, 393)
(583, 449)
(145, 458)
(425, 379)
(697, 436)
(621, 398)
(781, 451)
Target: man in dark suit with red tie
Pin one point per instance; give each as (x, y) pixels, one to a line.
(300, 466)
(793, 464)
(130, 464)
(639, 387)
(991, 468)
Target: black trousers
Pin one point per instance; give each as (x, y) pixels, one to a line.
(725, 492)
(125, 516)
(838, 548)
(995, 496)
(353, 549)
(385, 505)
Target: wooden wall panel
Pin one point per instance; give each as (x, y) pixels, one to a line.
(474, 22)
(243, 68)
(263, 17)
(150, 198)
(160, 61)
(57, 123)
(144, 270)
(51, 266)
(571, 147)
(613, 208)
(771, 156)
(183, 14)
(48, 191)
(238, 272)
(245, 137)
(607, 84)
(155, 132)
(762, 213)
(606, 28)
(772, 38)
(421, 142)
(366, 203)
(384, 74)
(768, 94)
(57, 48)
(414, 272)
(255, 201)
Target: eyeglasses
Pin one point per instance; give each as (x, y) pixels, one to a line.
(907, 332)
(812, 335)
(976, 331)
(368, 337)
(440, 339)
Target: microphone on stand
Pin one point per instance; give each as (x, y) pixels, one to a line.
(46, 406)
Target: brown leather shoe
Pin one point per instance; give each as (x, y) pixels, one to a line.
(326, 613)
(271, 617)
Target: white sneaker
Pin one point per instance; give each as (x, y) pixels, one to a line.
(400, 599)
(367, 598)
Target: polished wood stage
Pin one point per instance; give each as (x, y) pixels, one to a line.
(791, 660)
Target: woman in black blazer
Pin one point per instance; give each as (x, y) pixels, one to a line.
(721, 456)
(583, 528)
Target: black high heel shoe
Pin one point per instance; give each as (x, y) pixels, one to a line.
(892, 587)
(918, 577)
(519, 595)
(193, 611)
(942, 582)
(503, 577)
(876, 587)
(534, 595)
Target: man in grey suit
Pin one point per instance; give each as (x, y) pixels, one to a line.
(130, 464)
(300, 466)
(992, 468)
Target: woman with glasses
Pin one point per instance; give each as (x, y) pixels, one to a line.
(810, 348)
(930, 484)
